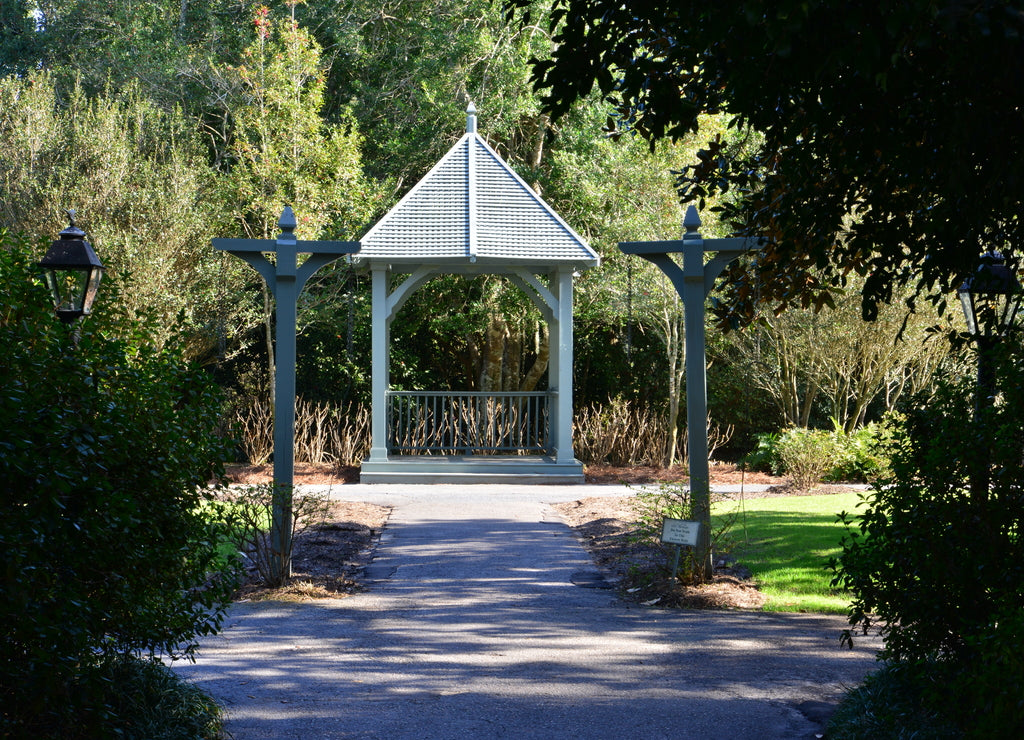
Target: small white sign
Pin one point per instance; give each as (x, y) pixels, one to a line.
(680, 532)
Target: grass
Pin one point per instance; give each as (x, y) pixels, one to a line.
(786, 543)
(154, 703)
(892, 703)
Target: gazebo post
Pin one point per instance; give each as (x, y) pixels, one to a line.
(379, 363)
(561, 373)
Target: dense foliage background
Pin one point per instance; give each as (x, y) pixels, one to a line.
(167, 124)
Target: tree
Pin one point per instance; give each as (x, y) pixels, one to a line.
(832, 365)
(416, 65)
(870, 110)
(164, 47)
(19, 42)
(283, 152)
(139, 180)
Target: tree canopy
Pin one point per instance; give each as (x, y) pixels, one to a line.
(166, 127)
(886, 128)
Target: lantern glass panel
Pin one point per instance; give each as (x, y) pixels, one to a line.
(967, 301)
(91, 288)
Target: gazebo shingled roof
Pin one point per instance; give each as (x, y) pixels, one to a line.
(470, 208)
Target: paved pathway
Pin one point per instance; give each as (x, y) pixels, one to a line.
(473, 628)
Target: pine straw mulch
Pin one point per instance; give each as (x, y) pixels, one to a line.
(328, 558)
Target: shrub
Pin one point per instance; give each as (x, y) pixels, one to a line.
(619, 432)
(105, 454)
(939, 568)
(807, 455)
(991, 686)
(928, 562)
(891, 703)
(812, 456)
(983, 699)
(863, 453)
(249, 515)
(765, 456)
(145, 700)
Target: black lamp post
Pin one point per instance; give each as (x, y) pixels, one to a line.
(990, 299)
(73, 272)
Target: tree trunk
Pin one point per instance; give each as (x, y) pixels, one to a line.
(676, 372)
(538, 147)
(472, 363)
(496, 333)
(809, 396)
(513, 370)
(540, 364)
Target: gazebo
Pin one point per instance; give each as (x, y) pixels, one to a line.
(471, 215)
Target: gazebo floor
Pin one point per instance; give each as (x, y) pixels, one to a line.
(462, 469)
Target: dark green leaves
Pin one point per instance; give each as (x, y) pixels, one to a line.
(886, 126)
(107, 450)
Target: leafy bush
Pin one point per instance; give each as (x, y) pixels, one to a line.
(765, 456)
(807, 455)
(862, 453)
(146, 700)
(815, 455)
(939, 568)
(991, 687)
(983, 699)
(928, 561)
(891, 703)
(105, 455)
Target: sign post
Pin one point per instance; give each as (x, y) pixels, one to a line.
(693, 281)
(679, 532)
(285, 278)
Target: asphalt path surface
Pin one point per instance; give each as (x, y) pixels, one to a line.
(475, 625)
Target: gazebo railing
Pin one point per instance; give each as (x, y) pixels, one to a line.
(468, 422)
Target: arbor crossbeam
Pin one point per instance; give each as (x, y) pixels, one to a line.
(693, 281)
(285, 277)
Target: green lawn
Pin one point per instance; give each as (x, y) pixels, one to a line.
(786, 543)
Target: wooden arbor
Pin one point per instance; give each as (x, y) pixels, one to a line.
(472, 214)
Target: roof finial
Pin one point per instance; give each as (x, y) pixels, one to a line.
(471, 118)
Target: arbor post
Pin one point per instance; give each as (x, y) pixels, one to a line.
(285, 278)
(693, 281)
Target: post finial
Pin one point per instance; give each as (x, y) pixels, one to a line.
(471, 118)
(72, 231)
(287, 223)
(691, 222)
